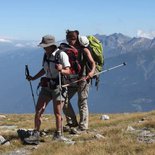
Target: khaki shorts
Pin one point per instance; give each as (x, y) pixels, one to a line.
(54, 94)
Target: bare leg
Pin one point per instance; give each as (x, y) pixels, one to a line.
(58, 105)
(40, 108)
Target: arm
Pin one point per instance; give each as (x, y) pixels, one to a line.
(92, 62)
(38, 75)
(64, 67)
(64, 71)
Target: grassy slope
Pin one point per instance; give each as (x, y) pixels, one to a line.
(117, 139)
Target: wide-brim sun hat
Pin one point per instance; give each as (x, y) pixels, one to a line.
(83, 40)
(47, 41)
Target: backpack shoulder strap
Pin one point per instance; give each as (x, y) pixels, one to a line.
(44, 59)
(64, 45)
(57, 56)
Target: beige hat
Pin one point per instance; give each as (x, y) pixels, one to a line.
(47, 41)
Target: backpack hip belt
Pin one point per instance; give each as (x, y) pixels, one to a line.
(51, 83)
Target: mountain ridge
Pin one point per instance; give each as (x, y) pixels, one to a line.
(113, 44)
(130, 88)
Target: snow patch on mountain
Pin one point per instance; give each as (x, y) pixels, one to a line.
(149, 34)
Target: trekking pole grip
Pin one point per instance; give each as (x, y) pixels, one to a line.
(27, 70)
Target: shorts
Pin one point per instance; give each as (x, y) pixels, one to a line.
(54, 94)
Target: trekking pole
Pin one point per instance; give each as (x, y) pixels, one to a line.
(27, 74)
(60, 89)
(109, 69)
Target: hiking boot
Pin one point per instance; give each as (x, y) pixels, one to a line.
(36, 133)
(68, 127)
(77, 130)
(33, 138)
(58, 137)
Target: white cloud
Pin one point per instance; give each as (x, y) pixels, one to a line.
(150, 34)
(5, 40)
(26, 44)
(19, 45)
(32, 44)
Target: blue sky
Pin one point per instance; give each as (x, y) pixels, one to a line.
(31, 19)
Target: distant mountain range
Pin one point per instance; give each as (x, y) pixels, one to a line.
(118, 43)
(127, 89)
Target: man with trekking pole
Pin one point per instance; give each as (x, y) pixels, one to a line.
(55, 64)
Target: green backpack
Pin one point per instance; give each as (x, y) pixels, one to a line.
(96, 49)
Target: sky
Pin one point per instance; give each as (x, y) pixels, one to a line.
(32, 19)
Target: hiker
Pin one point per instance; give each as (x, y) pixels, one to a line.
(82, 87)
(50, 83)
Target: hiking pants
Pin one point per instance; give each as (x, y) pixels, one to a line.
(82, 90)
(68, 109)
